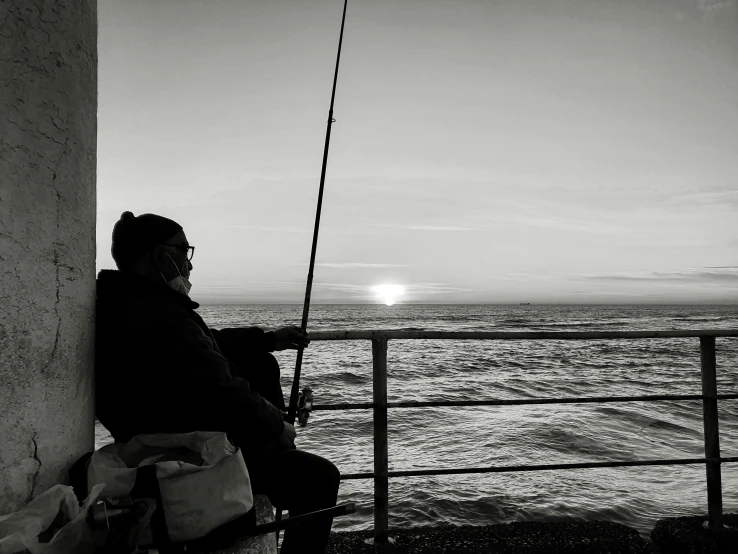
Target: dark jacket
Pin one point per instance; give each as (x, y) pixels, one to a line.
(158, 368)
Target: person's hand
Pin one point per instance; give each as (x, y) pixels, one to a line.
(290, 338)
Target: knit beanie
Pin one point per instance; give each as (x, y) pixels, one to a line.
(134, 236)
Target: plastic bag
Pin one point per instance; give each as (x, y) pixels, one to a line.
(202, 478)
(51, 523)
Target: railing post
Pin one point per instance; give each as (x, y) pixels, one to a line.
(712, 435)
(381, 453)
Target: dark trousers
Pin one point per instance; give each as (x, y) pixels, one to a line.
(293, 480)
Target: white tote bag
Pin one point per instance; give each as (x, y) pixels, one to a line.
(200, 479)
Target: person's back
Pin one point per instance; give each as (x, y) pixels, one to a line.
(154, 353)
(160, 369)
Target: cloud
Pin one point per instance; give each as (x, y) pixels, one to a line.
(549, 222)
(345, 288)
(423, 227)
(353, 265)
(411, 289)
(530, 277)
(721, 197)
(651, 277)
(610, 293)
(252, 286)
(727, 275)
(263, 228)
(342, 287)
(438, 228)
(433, 288)
(715, 276)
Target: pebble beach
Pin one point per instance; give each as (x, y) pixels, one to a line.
(682, 535)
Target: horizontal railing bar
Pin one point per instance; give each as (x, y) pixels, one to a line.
(540, 467)
(517, 335)
(543, 467)
(365, 475)
(348, 406)
(546, 467)
(584, 400)
(526, 401)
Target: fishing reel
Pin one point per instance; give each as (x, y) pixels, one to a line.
(304, 406)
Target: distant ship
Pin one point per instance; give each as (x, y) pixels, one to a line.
(524, 304)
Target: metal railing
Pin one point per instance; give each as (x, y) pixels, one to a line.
(379, 405)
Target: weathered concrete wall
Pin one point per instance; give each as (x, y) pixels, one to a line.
(48, 128)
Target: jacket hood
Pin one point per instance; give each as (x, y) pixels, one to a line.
(116, 286)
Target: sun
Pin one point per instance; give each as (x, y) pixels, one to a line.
(388, 293)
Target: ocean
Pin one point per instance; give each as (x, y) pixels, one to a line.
(422, 438)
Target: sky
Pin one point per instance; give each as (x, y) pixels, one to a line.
(543, 151)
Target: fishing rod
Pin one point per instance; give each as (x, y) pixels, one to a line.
(306, 307)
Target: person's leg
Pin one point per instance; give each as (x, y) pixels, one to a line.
(299, 482)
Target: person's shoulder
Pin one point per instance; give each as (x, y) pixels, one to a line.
(148, 311)
(158, 308)
(129, 293)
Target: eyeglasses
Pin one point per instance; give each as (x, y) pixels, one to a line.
(188, 251)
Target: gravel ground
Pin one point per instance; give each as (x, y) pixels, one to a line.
(587, 537)
(688, 535)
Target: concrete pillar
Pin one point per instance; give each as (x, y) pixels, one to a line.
(48, 141)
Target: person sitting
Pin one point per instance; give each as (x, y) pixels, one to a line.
(160, 369)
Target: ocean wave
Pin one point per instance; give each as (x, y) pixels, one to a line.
(585, 324)
(350, 378)
(696, 319)
(513, 321)
(574, 443)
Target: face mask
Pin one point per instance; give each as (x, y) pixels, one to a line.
(181, 284)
